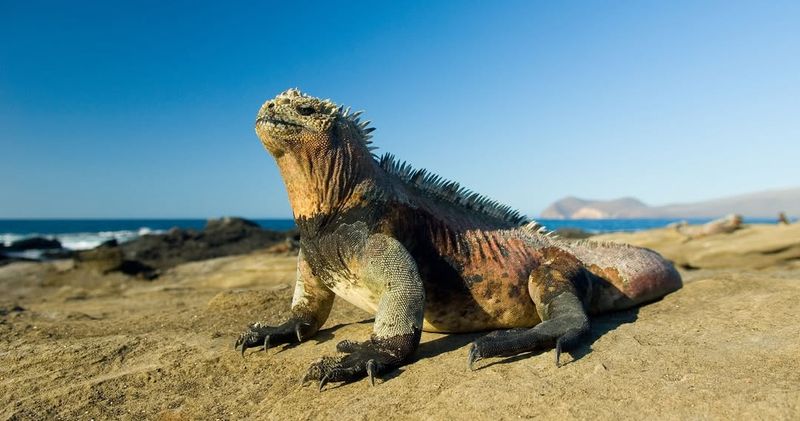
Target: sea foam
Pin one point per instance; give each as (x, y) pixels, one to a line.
(81, 240)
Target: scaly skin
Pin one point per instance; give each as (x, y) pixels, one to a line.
(421, 253)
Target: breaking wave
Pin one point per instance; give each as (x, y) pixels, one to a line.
(81, 240)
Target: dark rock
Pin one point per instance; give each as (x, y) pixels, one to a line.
(6, 259)
(7, 309)
(104, 258)
(34, 249)
(229, 222)
(221, 237)
(109, 243)
(34, 243)
(151, 254)
(57, 254)
(136, 268)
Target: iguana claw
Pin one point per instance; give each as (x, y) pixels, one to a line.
(372, 367)
(240, 340)
(558, 353)
(298, 330)
(322, 382)
(473, 356)
(356, 361)
(262, 336)
(306, 378)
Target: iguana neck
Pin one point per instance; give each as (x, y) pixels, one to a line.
(324, 184)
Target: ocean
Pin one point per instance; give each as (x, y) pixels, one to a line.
(82, 234)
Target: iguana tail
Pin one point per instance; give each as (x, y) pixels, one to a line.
(625, 275)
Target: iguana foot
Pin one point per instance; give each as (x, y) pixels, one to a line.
(561, 332)
(369, 358)
(259, 335)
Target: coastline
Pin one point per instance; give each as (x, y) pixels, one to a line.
(84, 234)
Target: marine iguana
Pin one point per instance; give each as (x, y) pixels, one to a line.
(424, 253)
(725, 225)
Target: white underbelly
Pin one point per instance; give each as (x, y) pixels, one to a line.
(355, 294)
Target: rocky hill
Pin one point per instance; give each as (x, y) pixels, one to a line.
(576, 208)
(766, 204)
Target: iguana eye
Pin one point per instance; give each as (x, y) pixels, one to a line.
(305, 109)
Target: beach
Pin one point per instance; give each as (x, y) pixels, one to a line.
(77, 343)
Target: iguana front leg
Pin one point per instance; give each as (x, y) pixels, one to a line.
(387, 268)
(558, 288)
(311, 306)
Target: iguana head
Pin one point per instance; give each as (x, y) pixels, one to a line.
(322, 150)
(297, 123)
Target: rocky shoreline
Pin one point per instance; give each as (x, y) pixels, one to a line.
(151, 254)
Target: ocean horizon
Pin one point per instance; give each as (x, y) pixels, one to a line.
(82, 234)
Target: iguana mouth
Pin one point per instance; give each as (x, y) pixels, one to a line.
(278, 123)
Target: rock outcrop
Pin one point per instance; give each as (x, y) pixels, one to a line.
(151, 254)
(34, 243)
(33, 249)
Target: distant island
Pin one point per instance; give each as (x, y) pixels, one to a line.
(765, 204)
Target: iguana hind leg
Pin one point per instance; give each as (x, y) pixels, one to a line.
(558, 288)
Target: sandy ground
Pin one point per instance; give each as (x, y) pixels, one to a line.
(78, 345)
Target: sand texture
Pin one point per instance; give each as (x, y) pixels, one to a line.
(76, 344)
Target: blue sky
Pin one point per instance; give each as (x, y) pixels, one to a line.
(144, 109)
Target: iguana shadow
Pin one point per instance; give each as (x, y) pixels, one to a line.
(432, 348)
(599, 326)
(325, 334)
(444, 344)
